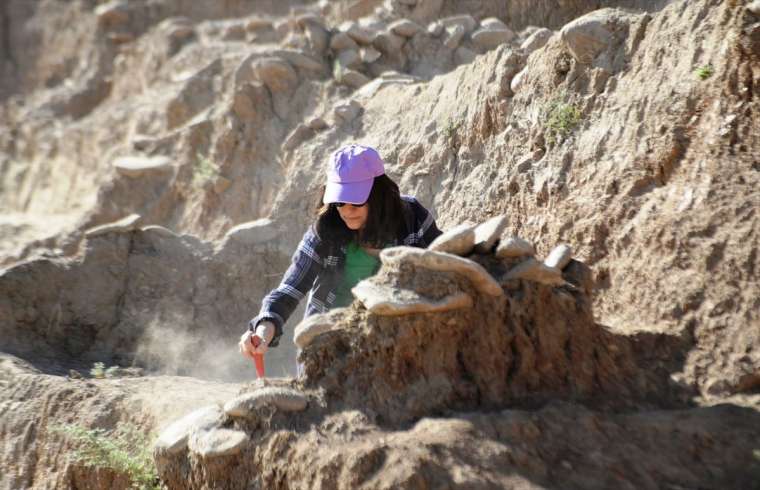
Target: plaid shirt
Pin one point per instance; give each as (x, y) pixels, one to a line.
(321, 276)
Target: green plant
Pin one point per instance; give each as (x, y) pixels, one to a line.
(204, 170)
(704, 72)
(125, 450)
(100, 371)
(450, 129)
(561, 120)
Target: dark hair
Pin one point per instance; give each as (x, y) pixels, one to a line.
(385, 219)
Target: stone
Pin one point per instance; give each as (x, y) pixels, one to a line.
(518, 80)
(535, 271)
(318, 37)
(446, 262)
(299, 59)
(467, 22)
(360, 34)
(216, 443)
(285, 399)
(341, 41)
(369, 55)
(112, 13)
(124, 225)
(426, 10)
(312, 326)
(159, 230)
(277, 74)
(493, 23)
(464, 55)
(353, 78)
(387, 301)
(754, 7)
(537, 40)
(405, 28)
(348, 111)
(317, 124)
(559, 257)
(301, 133)
(491, 38)
(587, 36)
(174, 438)
(348, 59)
(435, 29)
(459, 240)
(514, 246)
(252, 233)
(221, 184)
(389, 43)
(138, 166)
(488, 232)
(453, 36)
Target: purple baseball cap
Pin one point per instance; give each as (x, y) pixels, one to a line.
(350, 175)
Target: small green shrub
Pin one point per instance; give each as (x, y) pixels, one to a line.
(704, 72)
(125, 450)
(561, 120)
(204, 170)
(99, 371)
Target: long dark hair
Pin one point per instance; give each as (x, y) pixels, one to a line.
(385, 219)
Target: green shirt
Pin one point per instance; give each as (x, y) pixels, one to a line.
(358, 265)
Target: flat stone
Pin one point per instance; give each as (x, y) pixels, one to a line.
(514, 246)
(537, 40)
(459, 240)
(312, 326)
(353, 78)
(446, 262)
(174, 438)
(369, 55)
(754, 7)
(123, 225)
(360, 34)
(535, 271)
(348, 111)
(299, 59)
(253, 232)
(139, 166)
(341, 41)
(587, 36)
(386, 301)
(159, 230)
(454, 35)
(488, 232)
(559, 257)
(275, 73)
(491, 38)
(494, 24)
(518, 80)
(405, 27)
(285, 399)
(215, 443)
(467, 22)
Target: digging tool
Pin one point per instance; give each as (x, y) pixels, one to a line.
(258, 359)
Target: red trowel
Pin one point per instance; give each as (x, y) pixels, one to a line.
(258, 359)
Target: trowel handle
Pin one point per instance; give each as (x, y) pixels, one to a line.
(258, 359)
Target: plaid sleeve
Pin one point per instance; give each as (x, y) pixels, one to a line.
(278, 305)
(425, 228)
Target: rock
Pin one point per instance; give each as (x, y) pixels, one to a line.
(221, 184)
(389, 43)
(348, 111)
(285, 399)
(174, 438)
(467, 22)
(491, 38)
(359, 33)
(405, 28)
(453, 36)
(435, 29)
(112, 13)
(426, 10)
(464, 55)
(341, 41)
(369, 55)
(317, 36)
(138, 166)
(275, 73)
(459, 240)
(234, 32)
(537, 40)
(312, 326)
(387, 301)
(587, 36)
(301, 133)
(441, 261)
(124, 225)
(559, 257)
(349, 59)
(517, 80)
(754, 7)
(252, 233)
(299, 60)
(514, 246)
(159, 230)
(488, 232)
(217, 442)
(317, 124)
(533, 270)
(493, 23)
(361, 8)
(353, 78)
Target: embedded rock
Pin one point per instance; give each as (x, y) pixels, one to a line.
(251, 233)
(276, 73)
(467, 22)
(587, 36)
(285, 399)
(123, 225)
(353, 78)
(454, 35)
(216, 443)
(341, 41)
(138, 166)
(459, 240)
(314, 325)
(488, 232)
(514, 246)
(533, 270)
(174, 438)
(405, 28)
(387, 301)
(537, 40)
(299, 60)
(491, 38)
(559, 257)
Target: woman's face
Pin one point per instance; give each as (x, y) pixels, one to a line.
(354, 216)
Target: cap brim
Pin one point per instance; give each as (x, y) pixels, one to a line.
(350, 192)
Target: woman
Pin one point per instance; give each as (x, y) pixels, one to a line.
(362, 212)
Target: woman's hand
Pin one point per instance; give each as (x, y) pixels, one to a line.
(262, 337)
